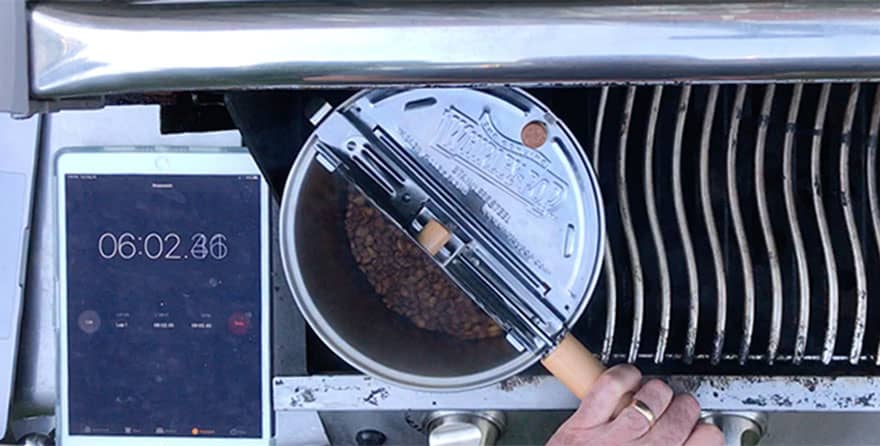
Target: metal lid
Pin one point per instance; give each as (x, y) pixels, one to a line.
(513, 183)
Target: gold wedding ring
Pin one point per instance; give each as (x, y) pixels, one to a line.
(644, 410)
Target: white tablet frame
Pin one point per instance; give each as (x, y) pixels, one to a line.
(156, 161)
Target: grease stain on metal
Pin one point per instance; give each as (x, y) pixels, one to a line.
(781, 400)
(375, 395)
(750, 401)
(744, 392)
(687, 384)
(809, 383)
(305, 396)
(412, 422)
(866, 400)
(515, 382)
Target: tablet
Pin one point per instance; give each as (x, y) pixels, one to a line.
(163, 298)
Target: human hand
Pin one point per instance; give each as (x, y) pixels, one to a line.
(675, 416)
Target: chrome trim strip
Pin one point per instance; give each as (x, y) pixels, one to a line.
(14, 75)
(98, 48)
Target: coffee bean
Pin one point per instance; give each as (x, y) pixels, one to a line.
(407, 280)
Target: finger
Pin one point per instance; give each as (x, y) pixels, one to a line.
(631, 424)
(705, 435)
(656, 395)
(599, 404)
(601, 401)
(676, 424)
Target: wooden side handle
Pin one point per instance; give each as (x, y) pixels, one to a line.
(573, 365)
(570, 362)
(433, 236)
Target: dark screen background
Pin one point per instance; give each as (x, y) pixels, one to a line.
(169, 346)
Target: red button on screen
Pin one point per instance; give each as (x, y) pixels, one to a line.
(239, 323)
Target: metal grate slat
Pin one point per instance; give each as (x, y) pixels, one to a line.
(712, 228)
(608, 267)
(739, 227)
(638, 294)
(822, 222)
(654, 223)
(803, 282)
(766, 230)
(871, 179)
(856, 245)
(683, 228)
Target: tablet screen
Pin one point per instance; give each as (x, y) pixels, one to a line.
(164, 305)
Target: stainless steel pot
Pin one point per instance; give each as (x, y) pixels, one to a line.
(560, 233)
(340, 306)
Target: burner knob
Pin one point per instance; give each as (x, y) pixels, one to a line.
(739, 428)
(460, 428)
(37, 440)
(370, 437)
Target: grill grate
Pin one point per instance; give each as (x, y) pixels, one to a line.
(742, 223)
(693, 176)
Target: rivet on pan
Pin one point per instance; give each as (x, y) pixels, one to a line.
(534, 134)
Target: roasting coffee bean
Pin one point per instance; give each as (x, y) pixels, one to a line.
(407, 280)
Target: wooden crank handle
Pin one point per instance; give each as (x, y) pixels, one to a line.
(573, 365)
(433, 236)
(570, 362)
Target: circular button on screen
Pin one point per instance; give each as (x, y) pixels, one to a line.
(239, 323)
(89, 321)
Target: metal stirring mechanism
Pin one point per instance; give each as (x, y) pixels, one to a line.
(496, 190)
